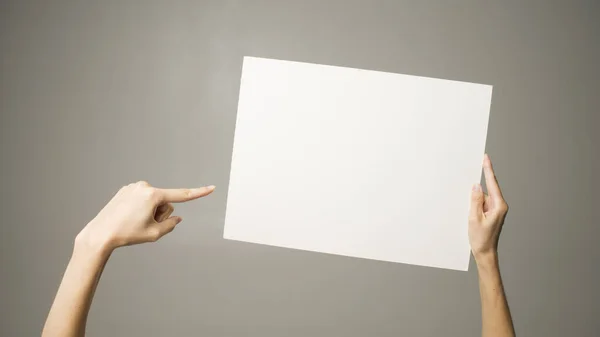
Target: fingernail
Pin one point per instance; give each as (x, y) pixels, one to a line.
(211, 187)
(178, 220)
(477, 188)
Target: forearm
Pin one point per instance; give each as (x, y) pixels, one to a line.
(68, 314)
(495, 314)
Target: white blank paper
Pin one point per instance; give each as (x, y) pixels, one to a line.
(355, 162)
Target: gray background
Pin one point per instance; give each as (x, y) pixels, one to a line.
(97, 94)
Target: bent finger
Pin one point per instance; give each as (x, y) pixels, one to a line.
(164, 211)
(165, 227)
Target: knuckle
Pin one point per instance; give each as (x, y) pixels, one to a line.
(154, 234)
(150, 193)
(503, 207)
(142, 183)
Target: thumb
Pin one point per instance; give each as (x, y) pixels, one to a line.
(166, 226)
(477, 199)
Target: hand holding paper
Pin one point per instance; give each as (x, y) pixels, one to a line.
(485, 224)
(487, 214)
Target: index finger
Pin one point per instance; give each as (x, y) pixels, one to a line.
(490, 178)
(183, 194)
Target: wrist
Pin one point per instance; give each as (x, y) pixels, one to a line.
(486, 259)
(87, 245)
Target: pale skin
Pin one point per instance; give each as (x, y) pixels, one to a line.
(485, 224)
(140, 213)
